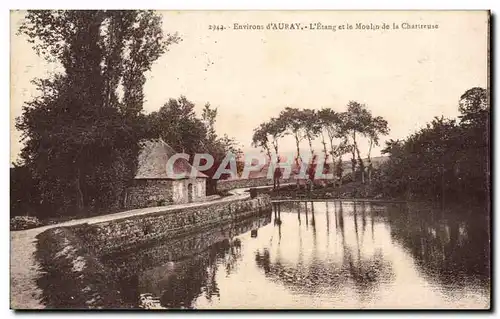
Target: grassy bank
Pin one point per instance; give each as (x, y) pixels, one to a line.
(72, 277)
(73, 269)
(358, 190)
(349, 190)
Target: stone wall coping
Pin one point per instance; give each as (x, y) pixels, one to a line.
(237, 195)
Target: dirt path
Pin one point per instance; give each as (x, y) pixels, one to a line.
(24, 269)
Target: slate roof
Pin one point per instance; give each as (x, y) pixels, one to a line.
(153, 158)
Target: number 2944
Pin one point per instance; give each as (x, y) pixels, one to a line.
(214, 27)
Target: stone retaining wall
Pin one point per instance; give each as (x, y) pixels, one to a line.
(183, 247)
(78, 253)
(129, 233)
(224, 185)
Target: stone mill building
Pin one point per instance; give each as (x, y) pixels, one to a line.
(153, 186)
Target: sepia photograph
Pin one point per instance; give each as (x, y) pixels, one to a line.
(251, 160)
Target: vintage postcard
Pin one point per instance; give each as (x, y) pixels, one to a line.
(250, 160)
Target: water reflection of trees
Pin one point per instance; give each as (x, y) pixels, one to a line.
(367, 272)
(451, 246)
(192, 267)
(364, 271)
(196, 276)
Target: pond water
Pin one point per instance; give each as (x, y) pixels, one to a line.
(332, 255)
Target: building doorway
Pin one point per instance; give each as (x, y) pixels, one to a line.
(190, 192)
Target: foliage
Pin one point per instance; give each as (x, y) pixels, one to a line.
(208, 118)
(356, 120)
(260, 138)
(219, 148)
(24, 222)
(376, 127)
(332, 123)
(277, 129)
(178, 125)
(293, 120)
(81, 136)
(343, 131)
(24, 194)
(446, 159)
(312, 127)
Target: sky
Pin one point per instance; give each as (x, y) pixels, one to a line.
(405, 76)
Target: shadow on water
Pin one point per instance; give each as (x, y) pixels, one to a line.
(315, 276)
(450, 245)
(328, 254)
(174, 274)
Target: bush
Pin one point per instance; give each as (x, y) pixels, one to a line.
(347, 178)
(253, 192)
(24, 222)
(161, 202)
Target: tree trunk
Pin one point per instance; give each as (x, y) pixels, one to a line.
(361, 165)
(332, 152)
(324, 146)
(332, 169)
(311, 160)
(275, 145)
(340, 164)
(360, 161)
(311, 147)
(370, 166)
(297, 142)
(370, 173)
(353, 160)
(325, 163)
(125, 198)
(268, 151)
(79, 193)
(298, 159)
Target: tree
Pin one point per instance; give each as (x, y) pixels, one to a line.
(331, 123)
(475, 121)
(295, 125)
(268, 134)
(393, 147)
(260, 139)
(24, 197)
(356, 121)
(276, 128)
(82, 139)
(209, 117)
(376, 127)
(445, 160)
(474, 107)
(176, 123)
(326, 119)
(311, 126)
(219, 149)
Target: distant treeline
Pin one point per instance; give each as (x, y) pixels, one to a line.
(338, 132)
(448, 160)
